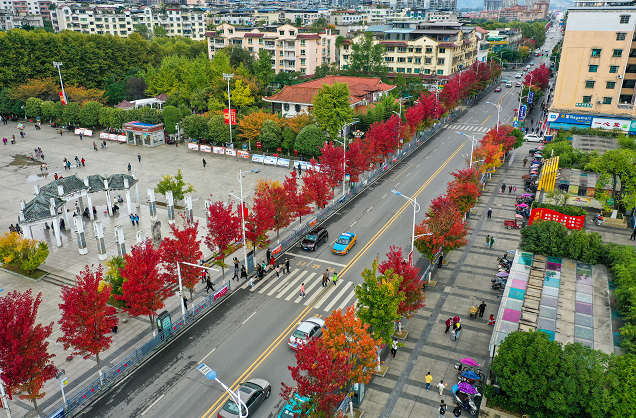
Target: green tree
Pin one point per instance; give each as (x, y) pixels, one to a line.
(367, 58)
(159, 31)
(71, 113)
(332, 108)
(378, 301)
(263, 69)
(49, 111)
(116, 118)
(175, 184)
(241, 94)
(195, 127)
(271, 134)
(310, 140)
(616, 166)
(89, 115)
(289, 138)
(545, 237)
(6, 102)
(142, 30)
(171, 116)
(218, 130)
(33, 107)
(239, 56)
(113, 277)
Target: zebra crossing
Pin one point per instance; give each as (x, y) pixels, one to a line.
(288, 287)
(470, 128)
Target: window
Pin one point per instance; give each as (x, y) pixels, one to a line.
(251, 49)
(291, 33)
(629, 84)
(587, 99)
(607, 100)
(440, 61)
(610, 84)
(286, 106)
(302, 61)
(390, 49)
(428, 60)
(281, 32)
(624, 19)
(427, 71)
(408, 70)
(613, 69)
(620, 36)
(617, 53)
(418, 50)
(593, 68)
(280, 62)
(440, 72)
(429, 50)
(442, 50)
(418, 60)
(281, 53)
(297, 107)
(410, 49)
(302, 52)
(409, 60)
(416, 71)
(249, 40)
(596, 52)
(401, 59)
(388, 59)
(345, 57)
(589, 84)
(401, 49)
(302, 42)
(400, 70)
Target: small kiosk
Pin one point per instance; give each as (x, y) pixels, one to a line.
(144, 134)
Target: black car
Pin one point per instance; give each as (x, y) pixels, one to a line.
(314, 238)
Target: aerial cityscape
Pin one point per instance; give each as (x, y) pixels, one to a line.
(417, 208)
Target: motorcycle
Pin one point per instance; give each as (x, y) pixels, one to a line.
(466, 364)
(471, 377)
(465, 395)
(498, 285)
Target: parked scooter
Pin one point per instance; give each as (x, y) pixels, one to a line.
(467, 400)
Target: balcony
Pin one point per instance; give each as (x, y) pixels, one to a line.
(289, 46)
(289, 55)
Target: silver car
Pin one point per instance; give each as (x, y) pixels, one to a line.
(307, 330)
(253, 393)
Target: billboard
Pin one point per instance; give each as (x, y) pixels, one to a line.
(226, 117)
(568, 118)
(570, 222)
(611, 124)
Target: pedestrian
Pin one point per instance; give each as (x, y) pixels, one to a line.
(428, 379)
(302, 290)
(514, 189)
(132, 219)
(208, 284)
(204, 163)
(83, 161)
(236, 262)
(278, 271)
(139, 157)
(300, 172)
(489, 213)
(335, 278)
(11, 228)
(441, 385)
(442, 410)
(487, 240)
(287, 264)
(491, 320)
(503, 187)
(509, 189)
(95, 146)
(449, 322)
(68, 165)
(272, 261)
(268, 255)
(243, 272)
(458, 329)
(81, 136)
(457, 411)
(236, 272)
(492, 241)
(252, 282)
(394, 346)
(633, 237)
(185, 302)
(482, 308)
(129, 168)
(137, 219)
(325, 278)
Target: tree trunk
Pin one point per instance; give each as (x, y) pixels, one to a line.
(614, 190)
(35, 405)
(152, 325)
(190, 294)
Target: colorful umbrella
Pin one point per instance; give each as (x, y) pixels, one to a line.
(467, 388)
(469, 374)
(503, 274)
(522, 205)
(526, 195)
(469, 361)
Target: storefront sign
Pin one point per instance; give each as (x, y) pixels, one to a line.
(277, 250)
(570, 222)
(270, 160)
(221, 292)
(205, 148)
(583, 104)
(193, 146)
(257, 158)
(522, 112)
(568, 118)
(243, 154)
(611, 124)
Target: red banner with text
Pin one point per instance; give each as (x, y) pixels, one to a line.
(570, 222)
(226, 117)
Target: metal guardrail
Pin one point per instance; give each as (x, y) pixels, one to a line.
(124, 367)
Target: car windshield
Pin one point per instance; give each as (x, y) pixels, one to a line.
(343, 240)
(311, 237)
(299, 334)
(230, 406)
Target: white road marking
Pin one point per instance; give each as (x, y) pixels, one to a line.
(260, 283)
(347, 300)
(269, 282)
(326, 295)
(206, 356)
(291, 285)
(383, 196)
(338, 296)
(351, 226)
(307, 289)
(408, 174)
(281, 283)
(153, 404)
(248, 318)
(415, 167)
(317, 259)
(397, 184)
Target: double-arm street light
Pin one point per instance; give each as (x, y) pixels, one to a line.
(498, 106)
(228, 77)
(183, 309)
(240, 198)
(212, 375)
(473, 142)
(344, 160)
(416, 208)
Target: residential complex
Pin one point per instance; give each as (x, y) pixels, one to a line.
(509, 10)
(430, 49)
(597, 73)
(290, 49)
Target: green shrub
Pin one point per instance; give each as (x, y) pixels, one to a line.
(545, 237)
(566, 210)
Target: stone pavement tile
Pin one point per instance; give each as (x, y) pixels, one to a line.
(403, 408)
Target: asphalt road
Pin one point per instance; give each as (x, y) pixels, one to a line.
(246, 335)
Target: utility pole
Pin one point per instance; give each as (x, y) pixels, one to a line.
(59, 71)
(228, 77)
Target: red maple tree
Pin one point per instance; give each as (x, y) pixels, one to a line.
(501, 136)
(184, 245)
(385, 136)
(470, 175)
(144, 289)
(539, 77)
(297, 198)
(357, 160)
(276, 194)
(410, 286)
(87, 319)
(260, 220)
(224, 230)
(463, 194)
(24, 358)
(316, 187)
(450, 94)
(320, 374)
(332, 163)
(424, 112)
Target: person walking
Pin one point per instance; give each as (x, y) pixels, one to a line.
(204, 163)
(243, 272)
(325, 278)
(81, 136)
(208, 284)
(487, 240)
(633, 236)
(83, 161)
(509, 189)
(441, 385)
(335, 278)
(268, 255)
(394, 346)
(489, 213)
(428, 379)
(129, 168)
(185, 302)
(449, 322)
(132, 219)
(137, 219)
(236, 270)
(457, 411)
(503, 187)
(525, 161)
(278, 271)
(300, 171)
(287, 264)
(302, 290)
(272, 261)
(482, 308)
(492, 241)
(442, 409)
(139, 157)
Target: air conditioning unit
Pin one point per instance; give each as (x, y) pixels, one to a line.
(598, 102)
(619, 76)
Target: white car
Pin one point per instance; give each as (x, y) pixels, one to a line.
(519, 75)
(307, 330)
(533, 138)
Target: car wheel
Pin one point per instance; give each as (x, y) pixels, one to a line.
(267, 393)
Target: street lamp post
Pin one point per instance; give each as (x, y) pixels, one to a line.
(416, 208)
(212, 375)
(183, 309)
(473, 141)
(59, 71)
(3, 397)
(344, 161)
(498, 106)
(228, 77)
(240, 179)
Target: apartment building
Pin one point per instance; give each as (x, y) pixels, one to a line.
(11, 20)
(291, 50)
(115, 20)
(434, 50)
(504, 39)
(305, 16)
(28, 7)
(597, 73)
(345, 17)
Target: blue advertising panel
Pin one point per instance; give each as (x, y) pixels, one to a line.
(522, 112)
(530, 97)
(515, 124)
(570, 118)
